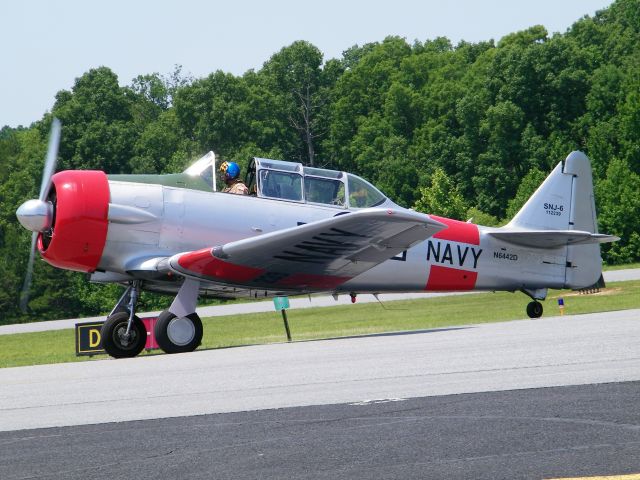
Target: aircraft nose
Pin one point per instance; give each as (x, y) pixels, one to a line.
(35, 215)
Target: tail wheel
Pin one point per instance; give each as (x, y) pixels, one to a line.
(534, 309)
(178, 334)
(115, 339)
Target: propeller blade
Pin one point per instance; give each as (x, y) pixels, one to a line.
(26, 286)
(52, 158)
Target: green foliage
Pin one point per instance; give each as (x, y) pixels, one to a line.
(619, 212)
(529, 184)
(444, 127)
(479, 217)
(442, 198)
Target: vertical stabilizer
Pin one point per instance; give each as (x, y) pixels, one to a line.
(565, 201)
(548, 208)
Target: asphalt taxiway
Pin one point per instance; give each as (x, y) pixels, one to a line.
(518, 434)
(522, 399)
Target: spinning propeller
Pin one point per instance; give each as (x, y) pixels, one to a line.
(37, 214)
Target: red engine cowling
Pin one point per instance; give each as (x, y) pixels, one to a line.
(80, 220)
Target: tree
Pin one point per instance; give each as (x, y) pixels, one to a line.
(530, 183)
(501, 165)
(442, 198)
(294, 75)
(618, 197)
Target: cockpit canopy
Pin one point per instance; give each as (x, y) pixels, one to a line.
(294, 182)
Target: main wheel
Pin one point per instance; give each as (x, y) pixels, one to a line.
(115, 340)
(534, 309)
(178, 334)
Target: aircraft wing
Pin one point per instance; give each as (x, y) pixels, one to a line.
(311, 257)
(551, 238)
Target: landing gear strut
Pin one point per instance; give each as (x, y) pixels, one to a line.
(178, 329)
(123, 333)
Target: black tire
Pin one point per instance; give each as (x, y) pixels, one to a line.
(534, 309)
(178, 334)
(112, 333)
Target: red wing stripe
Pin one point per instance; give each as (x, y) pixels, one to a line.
(458, 231)
(202, 262)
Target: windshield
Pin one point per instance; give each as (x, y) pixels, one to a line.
(203, 168)
(362, 194)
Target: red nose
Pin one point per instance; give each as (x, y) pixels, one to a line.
(80, 220)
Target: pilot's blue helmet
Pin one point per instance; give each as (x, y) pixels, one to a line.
(231, 170)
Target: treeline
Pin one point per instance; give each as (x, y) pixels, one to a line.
(465, 130)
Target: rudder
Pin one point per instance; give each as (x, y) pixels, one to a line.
(584, 263)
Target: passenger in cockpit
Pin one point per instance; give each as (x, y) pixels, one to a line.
(231, 175)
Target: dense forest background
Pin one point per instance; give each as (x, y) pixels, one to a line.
(467, 130)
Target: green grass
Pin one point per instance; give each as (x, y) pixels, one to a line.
(359, 319)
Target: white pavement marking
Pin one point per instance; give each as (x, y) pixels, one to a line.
(572, 350)
(267, 306)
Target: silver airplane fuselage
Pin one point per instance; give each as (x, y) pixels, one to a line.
(463, 257)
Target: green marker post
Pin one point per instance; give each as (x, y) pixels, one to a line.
(282, 303)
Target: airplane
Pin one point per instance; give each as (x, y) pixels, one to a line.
(302, 230)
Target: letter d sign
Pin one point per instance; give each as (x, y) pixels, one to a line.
(94, 338)
(88, 338)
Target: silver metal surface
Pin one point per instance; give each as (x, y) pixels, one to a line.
(189, 220)
(181, 331)
(128, 215)
(300, 247)
(185, 302)
(35, 215)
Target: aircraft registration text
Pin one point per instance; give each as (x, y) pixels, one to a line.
(505, 256)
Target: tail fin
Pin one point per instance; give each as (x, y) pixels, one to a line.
(564, 201)
(562, 211)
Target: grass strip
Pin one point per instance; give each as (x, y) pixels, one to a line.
(339, 321)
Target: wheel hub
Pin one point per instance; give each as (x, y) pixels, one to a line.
(181, 331)
(125, 339)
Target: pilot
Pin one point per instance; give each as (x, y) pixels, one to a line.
(231, 176)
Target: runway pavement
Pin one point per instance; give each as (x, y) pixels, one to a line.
(267, 306)
(540, 433)
(543, 398)
(555, 351)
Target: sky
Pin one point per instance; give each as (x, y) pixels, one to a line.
(46, 44)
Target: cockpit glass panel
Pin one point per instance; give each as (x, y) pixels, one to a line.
(322, 172)
(250, 178)
(278, 165)
(323, 190)
(284, 185)
(362, 194)
(203, 168)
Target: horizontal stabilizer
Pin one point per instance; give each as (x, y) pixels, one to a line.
(552, 238)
